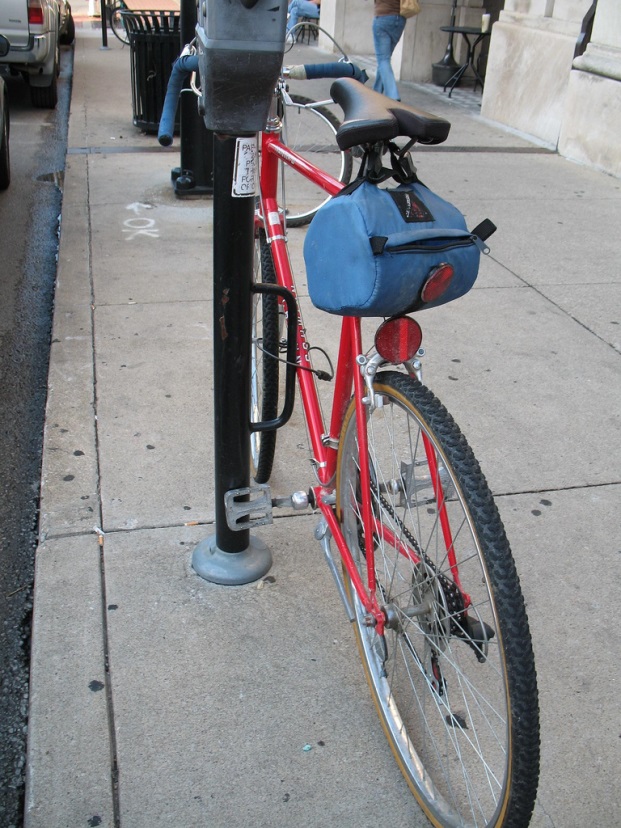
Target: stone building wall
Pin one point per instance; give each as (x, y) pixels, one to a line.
(530, 57)
(532, 82)
(591, 125)
(535, 85)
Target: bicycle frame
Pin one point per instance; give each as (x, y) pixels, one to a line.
(324, 443)
(395, 480)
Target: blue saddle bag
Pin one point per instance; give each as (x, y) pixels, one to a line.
(369, 251)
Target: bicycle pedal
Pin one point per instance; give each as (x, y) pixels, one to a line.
(254, 510)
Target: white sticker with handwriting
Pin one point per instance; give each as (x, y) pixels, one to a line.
(245, 172)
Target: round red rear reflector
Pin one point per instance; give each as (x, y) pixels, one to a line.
(438, 281)
(398, 340)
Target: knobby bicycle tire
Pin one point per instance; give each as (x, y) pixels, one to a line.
(453, 679)
(264, 362)
(310, 132)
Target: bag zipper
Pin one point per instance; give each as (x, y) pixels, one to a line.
(379, 245)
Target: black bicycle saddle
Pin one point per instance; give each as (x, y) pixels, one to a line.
(371, 117)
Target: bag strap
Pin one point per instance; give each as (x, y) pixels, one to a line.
(372, 169)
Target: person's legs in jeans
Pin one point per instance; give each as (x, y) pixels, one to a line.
(387, 29)
(301, 8)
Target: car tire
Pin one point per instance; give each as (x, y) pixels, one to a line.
(5, 167)
(45, 97)
(68, 36)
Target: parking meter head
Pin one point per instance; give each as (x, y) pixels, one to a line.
(240, 53)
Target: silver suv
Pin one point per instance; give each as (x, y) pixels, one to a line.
(35, 30)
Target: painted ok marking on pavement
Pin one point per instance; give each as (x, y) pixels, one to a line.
(140, 225)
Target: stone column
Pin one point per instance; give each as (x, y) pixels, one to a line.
(592, 118)
(530, 58)
(349, 23)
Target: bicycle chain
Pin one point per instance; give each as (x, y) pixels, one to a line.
(452, 593)
(460, 623)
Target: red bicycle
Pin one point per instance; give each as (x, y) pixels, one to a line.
(427, 575)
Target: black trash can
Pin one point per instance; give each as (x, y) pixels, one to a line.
(155, 44)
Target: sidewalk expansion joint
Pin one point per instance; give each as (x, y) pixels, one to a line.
(495, 150)
(540, 291)
(114, 764)
(116, 150)
(100, 533)
(575, 488)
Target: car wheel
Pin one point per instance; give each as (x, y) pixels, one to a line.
(68, 36)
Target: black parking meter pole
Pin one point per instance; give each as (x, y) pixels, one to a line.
(233, 246)
(240, 47)
(231, 556)
(104, 24)
(194, 176)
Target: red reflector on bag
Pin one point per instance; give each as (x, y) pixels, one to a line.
(35, 14)
(437, 282)
(398, 340)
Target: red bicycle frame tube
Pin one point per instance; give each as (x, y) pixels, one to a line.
(272, 145)
(273, 150)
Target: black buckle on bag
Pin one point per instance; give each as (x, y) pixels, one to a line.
(401, 168)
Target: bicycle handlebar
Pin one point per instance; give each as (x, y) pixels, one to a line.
(186, 64)
(341, 69)
(182, 67)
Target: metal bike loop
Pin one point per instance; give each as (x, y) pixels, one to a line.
(240, 50)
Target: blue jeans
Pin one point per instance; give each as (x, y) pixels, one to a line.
(301, 8)
(387, 31)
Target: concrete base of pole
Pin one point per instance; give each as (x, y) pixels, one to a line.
(231, 568)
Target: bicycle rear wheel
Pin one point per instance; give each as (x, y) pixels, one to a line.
(453, 678)
(116, 22)
(264, 351)
(310, 131)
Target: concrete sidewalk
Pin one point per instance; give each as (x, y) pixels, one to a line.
(158, 699)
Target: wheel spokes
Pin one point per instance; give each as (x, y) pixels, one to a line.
(437, 669)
